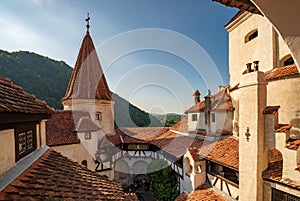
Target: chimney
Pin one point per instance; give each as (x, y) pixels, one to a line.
(255, 65)
(249, 67)
(207, 109)
(196, 95)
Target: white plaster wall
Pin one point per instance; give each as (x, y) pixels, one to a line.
(285, 92)
(93, 106)
(91, 145)
(76, 153)
(7, 150)
(290, 159)
(192, 125)
(223, 120)
(260, 48)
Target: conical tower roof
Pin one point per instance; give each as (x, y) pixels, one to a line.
(87, 80)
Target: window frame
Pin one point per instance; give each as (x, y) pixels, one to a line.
(213, 117)
(194, 117)
(251, 35)
(98, 116)
(28, 129)
(87, 135)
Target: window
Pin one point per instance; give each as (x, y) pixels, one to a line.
(98, 116)
(278, 195)
(251, 35)
(25, 140)
(287, 60)
(84, 163)
(87, 135)
(194, 117)
(213, 117)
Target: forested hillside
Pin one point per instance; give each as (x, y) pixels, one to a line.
(48, 79)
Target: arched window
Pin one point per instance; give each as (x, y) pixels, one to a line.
(287, 60)
(251, 35)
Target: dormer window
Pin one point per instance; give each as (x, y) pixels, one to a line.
(25, 141)
(251, 35)
(98, 116)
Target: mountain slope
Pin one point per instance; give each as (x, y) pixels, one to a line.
(48, 79)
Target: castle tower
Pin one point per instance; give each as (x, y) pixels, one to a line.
(88, 89)
(252, 156)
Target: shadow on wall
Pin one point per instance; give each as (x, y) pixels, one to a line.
(295, 130)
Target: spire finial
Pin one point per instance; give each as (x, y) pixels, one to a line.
(87, 22)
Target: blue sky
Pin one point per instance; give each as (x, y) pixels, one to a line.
(155, 53)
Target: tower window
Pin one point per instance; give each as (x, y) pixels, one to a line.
(87, 135)
(98, 116)
(287, 60)
(194, 117)
(251, 35)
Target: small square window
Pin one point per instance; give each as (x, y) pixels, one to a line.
(213, 117)
(98, 116)
(194, 117)
(87, 135)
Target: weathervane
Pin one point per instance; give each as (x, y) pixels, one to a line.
(88, 22)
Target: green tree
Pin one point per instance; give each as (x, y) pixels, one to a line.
(163, 180)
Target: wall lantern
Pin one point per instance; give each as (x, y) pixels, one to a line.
(247, 134)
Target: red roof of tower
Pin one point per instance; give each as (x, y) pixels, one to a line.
(87, 80)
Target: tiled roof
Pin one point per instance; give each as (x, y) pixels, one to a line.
(144, 132)
(275, 175)
(222, 101)
(194, 153)
(245, 5)
(271, 109)
(274, 155)
(204, 194)
(14, 99)
(87, 80)
(55, 177)
(293, 144)
(60, 129)
(283, 128)
(282, 72)
(121, 137)
(224, 151)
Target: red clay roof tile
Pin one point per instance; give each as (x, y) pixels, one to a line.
(222, 101)
(205, 193)
(271, 109)
(62, 127)
(293, 144)
(55, 177)
(283, 128)
(14, 99)
(245, 5)
(224, 151)
(87, 80)
(282, 72)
